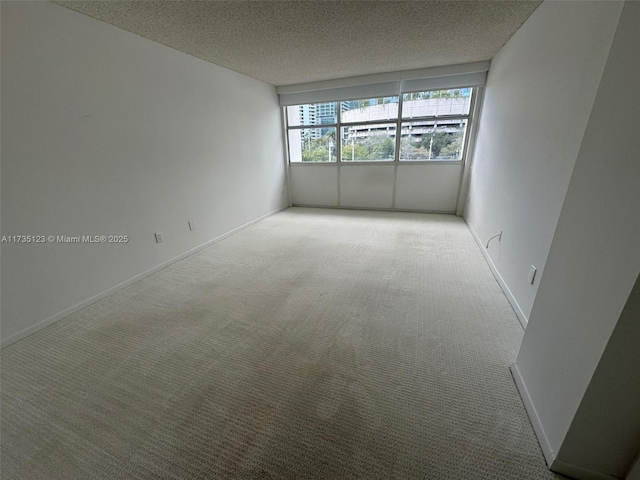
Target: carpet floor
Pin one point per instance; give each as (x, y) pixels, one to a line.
(317, 344)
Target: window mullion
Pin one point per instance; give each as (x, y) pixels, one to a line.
(396, 157)
(338, 134)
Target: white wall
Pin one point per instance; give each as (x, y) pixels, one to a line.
(427, 187)
(104, 132)
(405, 186)
(592, 265)
(604, 435)
(315, 184)
(538, 96)
(366, 186)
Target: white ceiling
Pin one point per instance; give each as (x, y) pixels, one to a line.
(297, 41)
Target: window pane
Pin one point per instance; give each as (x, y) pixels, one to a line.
(312, 114)
(312, 145)
(365, 143)
(442, 140)
(369, 109)
(436, 103)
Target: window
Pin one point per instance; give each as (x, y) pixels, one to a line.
(369, 110)
(438, 125)
(437, 103)
(436, 140)
(433, 127)
(307, 141)
(368, 135)
(365, 143)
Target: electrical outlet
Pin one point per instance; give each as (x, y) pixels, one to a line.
(159, 238)
(192, 225)
(532, 274)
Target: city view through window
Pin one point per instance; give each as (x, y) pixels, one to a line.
(433, 126)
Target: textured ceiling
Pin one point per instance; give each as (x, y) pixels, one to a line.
(287, 42)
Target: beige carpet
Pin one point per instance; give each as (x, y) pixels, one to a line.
(324, 344)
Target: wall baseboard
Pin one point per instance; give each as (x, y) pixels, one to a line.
(543, 440)
(574, 471)
(555, 465)
(85, 303)
(373, 209)
(522, 318)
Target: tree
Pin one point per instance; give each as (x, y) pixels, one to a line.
(318, 149)
(452, 150)
(436, 142)
(417, 96)
(354, 152)
(381, 149)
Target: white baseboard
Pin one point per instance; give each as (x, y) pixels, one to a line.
(512, 300)
(85, 303)
(374, 209)
(555, 465)
(580, 473)
(543, 440)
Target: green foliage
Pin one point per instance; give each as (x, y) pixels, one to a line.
(355, 152)
(439, 145)
(317, 149)
(452, 149)
(382, 150)
(456, 93)
(377, 146)
(440, 140)
(315, 155)
(368, 102)
(380, 146)
(363, 103)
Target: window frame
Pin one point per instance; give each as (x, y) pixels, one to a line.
(338, 125)
(338, 151)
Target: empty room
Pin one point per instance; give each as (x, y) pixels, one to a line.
(320, 239)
